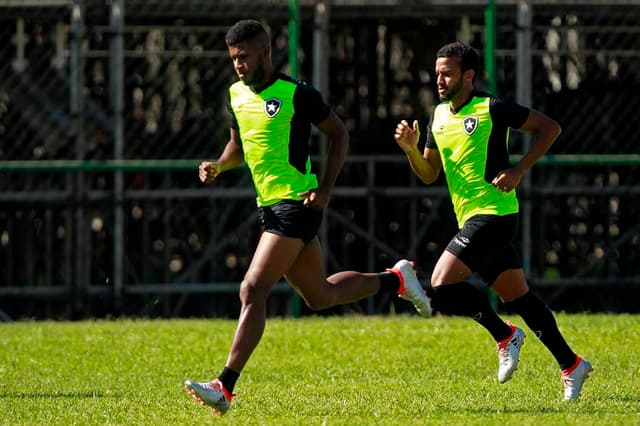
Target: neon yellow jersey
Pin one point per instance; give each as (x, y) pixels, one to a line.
(274, 126)
(473, 144)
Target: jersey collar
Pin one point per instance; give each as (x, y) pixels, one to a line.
(464, 104)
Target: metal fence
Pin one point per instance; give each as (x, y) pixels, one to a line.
(106, 107)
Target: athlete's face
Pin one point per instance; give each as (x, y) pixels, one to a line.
(251, 62)
(453, 84)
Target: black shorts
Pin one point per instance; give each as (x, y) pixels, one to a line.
(290, 218)
(485, 245)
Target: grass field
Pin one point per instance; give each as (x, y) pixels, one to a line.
(399, 370)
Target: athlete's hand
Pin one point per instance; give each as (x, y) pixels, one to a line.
(315, 198)
(208, 171)
(507, 180)
(407, 137)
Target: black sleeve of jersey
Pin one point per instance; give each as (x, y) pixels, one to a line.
(234, 120)
(431, 141)
(508, 113)
(308, 103)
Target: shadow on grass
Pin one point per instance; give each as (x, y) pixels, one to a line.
(46, 395)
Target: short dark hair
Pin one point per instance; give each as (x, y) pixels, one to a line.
(247, 30)
(469, 58)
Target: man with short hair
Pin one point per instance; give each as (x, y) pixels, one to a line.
(271, 121)
(468, 137)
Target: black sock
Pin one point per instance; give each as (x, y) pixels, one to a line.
(228, 377)
(464, 299)
(541, 321)
(389, 281)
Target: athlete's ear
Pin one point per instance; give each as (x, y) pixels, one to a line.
(470, 74)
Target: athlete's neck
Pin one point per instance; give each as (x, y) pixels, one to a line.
(268, 77)
(461, 99)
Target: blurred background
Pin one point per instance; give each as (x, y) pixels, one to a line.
(107, 107)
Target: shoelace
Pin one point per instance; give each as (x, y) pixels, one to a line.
(505, 355)
(502, 346)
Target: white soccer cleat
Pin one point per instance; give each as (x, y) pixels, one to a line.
(509, 353)
(410, 288)
(573, 378)
(212, 394)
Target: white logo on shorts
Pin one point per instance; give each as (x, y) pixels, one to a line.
(461, 241)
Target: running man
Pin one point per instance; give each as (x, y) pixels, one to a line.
(468, 137)
(272, 116)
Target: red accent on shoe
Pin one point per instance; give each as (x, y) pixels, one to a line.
(228, 395)
(575, 365)
(400, 277)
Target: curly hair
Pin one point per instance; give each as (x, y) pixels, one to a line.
(247, 30)
(469, 58)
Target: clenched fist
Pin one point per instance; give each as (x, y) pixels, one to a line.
(208, 171)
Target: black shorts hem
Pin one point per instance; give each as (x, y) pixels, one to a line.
(291, 218)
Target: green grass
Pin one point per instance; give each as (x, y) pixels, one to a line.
(399, 370)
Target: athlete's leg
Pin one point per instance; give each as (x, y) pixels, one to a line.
(510, 285)
(307, 276)
(273, 257)
(449, 270)
(453, 295)
(512, 288)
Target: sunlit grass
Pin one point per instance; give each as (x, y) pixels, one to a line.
(314, 371)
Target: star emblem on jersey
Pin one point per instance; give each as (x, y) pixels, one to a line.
(470, 124)
(272, 107)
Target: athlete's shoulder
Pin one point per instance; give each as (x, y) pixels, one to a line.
(508, 112)
(482, 94)
(287, 79)
(479, 97)
(238, 87)
(442, 106)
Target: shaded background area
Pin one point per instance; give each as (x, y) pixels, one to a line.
(184, 247)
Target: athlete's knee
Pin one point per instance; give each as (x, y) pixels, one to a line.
(253, 291)
(510, 285)
(457, 299)
(440, 276)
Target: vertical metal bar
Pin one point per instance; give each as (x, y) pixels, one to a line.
(294, 43)
(77, 105)
(321, 82)
(490, 46)
(116, 67)
(524, 76)
(490, 74)
(294, 37)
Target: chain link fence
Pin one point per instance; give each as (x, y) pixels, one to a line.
(66, 229)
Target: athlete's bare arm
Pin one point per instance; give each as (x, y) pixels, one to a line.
(545, 131)
(231, 157)
(426, 165)
(334, 128)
